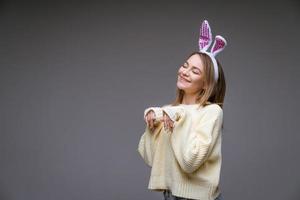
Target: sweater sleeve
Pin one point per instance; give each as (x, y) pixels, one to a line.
(148, 143)
(157, 111)
(192, 142)
(174, 112)
(149, 140)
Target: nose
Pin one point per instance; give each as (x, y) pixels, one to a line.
(185, 72)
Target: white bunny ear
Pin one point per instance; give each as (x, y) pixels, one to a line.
(205, 38)
(219, 45)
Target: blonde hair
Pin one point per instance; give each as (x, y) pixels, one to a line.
(214, 92)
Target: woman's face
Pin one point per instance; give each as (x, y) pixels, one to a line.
(191, 75)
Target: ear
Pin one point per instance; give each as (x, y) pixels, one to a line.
(219, 45)
(205, 38)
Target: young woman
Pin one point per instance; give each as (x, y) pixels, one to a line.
(182, 140)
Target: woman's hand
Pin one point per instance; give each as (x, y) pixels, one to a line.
(168, 123)
(150, 120)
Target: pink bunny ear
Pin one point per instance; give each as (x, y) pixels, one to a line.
(219, 45)
(205, 38)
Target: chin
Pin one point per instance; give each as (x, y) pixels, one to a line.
(180, 86)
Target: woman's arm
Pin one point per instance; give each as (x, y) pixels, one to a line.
(157, 111)
(192, 142)
(149, 139)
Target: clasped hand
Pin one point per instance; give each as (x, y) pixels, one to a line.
(152, 122)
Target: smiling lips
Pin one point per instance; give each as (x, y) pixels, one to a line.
(184, 79)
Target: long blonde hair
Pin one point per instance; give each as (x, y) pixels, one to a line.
(215, 92)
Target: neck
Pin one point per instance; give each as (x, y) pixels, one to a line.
(189, 99)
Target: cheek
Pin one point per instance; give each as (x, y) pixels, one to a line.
(196, 78)
(197, 81)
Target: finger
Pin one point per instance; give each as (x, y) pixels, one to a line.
(153, 124)
(169, 127)
(165, 120)
(151, 121)
(146, 118)
(148, 121)
(172, 126)
(168, 122)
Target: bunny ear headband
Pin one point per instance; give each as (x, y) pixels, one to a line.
(205, 40)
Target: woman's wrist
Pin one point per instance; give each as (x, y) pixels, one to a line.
(157, 112)
(174, 113)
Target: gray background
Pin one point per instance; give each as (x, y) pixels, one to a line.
(76, 77)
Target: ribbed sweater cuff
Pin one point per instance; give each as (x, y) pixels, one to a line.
(174, 112)
(157, 111)
(190, 191)
(205, 191)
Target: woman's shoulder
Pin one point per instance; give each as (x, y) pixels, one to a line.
(213, 109)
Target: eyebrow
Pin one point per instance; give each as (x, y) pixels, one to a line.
(193, 66)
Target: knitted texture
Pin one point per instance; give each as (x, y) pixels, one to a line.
(157, 112)
(188, 160)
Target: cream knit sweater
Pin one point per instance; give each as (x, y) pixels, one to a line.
(188, 160)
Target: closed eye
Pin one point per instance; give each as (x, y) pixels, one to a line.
(195, 69)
